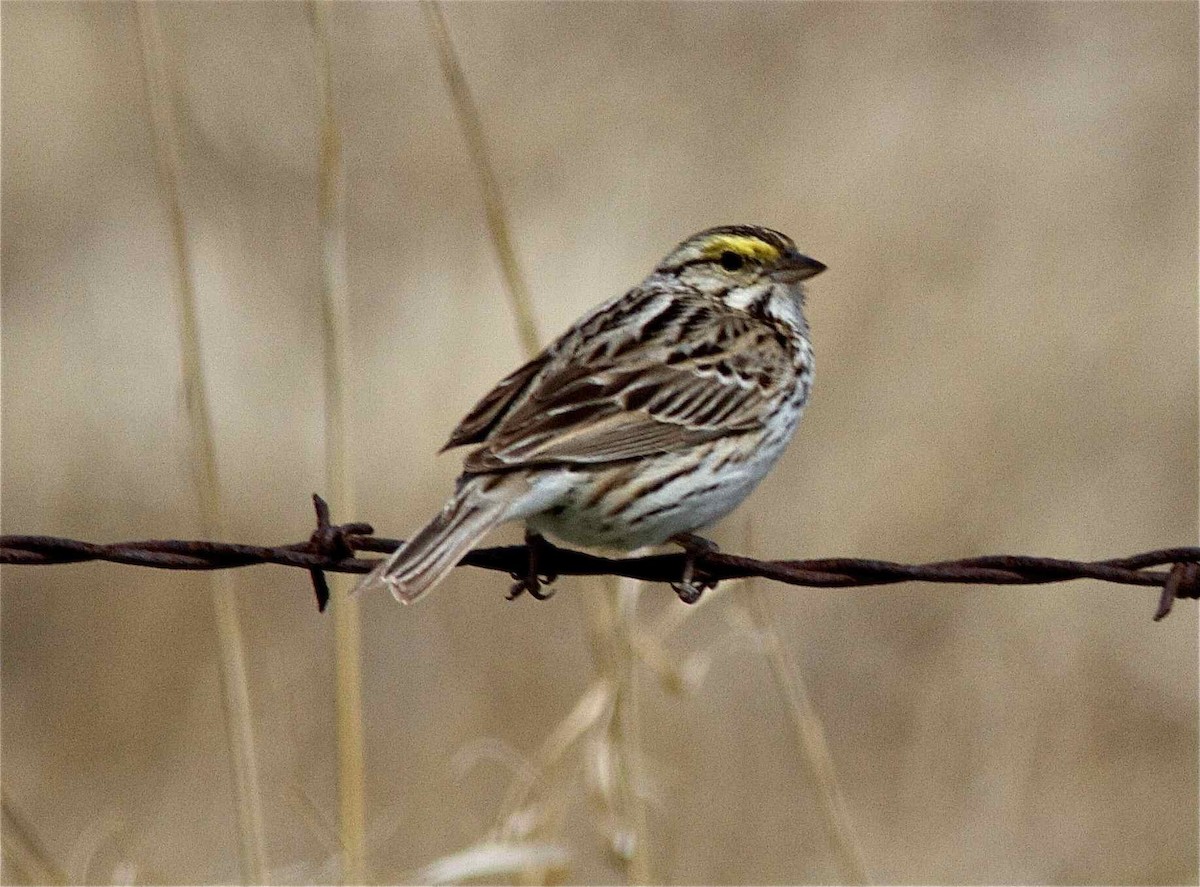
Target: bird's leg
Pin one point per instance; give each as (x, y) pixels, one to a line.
(689, 588)
(532, 581)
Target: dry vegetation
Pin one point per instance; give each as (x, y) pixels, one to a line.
(1007, 362)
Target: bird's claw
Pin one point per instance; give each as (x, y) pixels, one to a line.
(533, 585)
(690, 586)
(689, 592)
(533, 581)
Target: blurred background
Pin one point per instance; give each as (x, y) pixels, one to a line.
(1006, 341)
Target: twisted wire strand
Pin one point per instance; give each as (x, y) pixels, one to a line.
(333, 547)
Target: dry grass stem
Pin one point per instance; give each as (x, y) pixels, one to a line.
(624, 733)
(493, 205)
(235, 693)
(671, 670)
(488, 750)
(807, 730)
(322, 827)
(592, 708)
(335, 316)
(491, 860)
(24, 851)
(328, 863)
(100, 831)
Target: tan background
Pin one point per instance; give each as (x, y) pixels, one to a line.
(1006, 346)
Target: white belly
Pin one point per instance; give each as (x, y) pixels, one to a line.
(654, 499)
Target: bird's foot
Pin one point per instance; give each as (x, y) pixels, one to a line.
(534, 581)
(690, 586)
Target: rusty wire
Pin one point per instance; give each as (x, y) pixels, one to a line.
(332, 548)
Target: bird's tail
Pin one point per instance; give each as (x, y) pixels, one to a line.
(425, 559)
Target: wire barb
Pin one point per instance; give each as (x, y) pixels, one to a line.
(1182, 582)
(333, 547)
(330, 542)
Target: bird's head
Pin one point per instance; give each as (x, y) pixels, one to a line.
(746, 265)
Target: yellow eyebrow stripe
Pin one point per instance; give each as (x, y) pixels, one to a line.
(749, 247)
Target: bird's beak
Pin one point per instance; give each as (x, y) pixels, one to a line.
(799, 267)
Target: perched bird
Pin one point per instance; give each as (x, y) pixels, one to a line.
(651, 417)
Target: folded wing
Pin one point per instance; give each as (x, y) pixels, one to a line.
(673, 377)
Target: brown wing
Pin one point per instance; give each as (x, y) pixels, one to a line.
(485, 415)
(671, 375)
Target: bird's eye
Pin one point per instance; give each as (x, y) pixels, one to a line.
(731, 261)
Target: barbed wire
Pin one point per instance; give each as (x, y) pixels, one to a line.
(332, 548)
